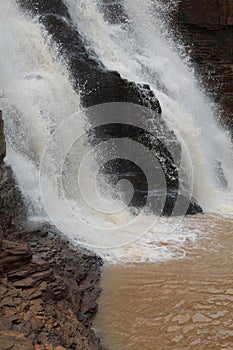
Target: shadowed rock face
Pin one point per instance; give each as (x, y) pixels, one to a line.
(2, 155)
(114, 11)
(1, 235)
(2, 141)
(98, 86)
(11, 205)
(207, 27)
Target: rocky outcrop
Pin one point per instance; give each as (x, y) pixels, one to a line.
(11, 204)
(48, 292)
(2, 155)
(13, 256)
(207, 27)
(10, 198)
(98, 86)
(2, 140)
(48, 289)
(1, 235)
(113, 11)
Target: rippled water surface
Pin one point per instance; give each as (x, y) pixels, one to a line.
(177, 304)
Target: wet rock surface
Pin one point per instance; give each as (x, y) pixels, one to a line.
(98, 86)
(48, 289)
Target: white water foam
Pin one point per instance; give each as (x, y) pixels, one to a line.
(39, 96)
(142, 51)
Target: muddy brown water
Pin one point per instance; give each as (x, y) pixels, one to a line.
(177, 304)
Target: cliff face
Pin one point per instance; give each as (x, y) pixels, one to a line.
(2, 141)
(10, 198)
(207, 27)
(48, 290)
(2, 155)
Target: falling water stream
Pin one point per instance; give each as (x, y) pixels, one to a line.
(152, 299)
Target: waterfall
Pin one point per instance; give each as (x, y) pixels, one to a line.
(142, 50)
(32, 80)
(39, 104)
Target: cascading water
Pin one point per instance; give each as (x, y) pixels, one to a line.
(142, 50)
(32, 81)
(38, 97)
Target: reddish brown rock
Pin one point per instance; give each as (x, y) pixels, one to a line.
(207, 27)
(47, 301)
(48, 290)
(13, 255)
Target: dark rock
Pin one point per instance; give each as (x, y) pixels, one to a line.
(207, 28)
(11, 203)
(13, 255)
(114, 11)
(41, 7)
(99, 86)
(185, 204)
(41, 299)
(194, 207)
(2, 140)
(1, 235)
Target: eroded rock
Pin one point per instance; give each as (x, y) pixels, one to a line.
(47, 301)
